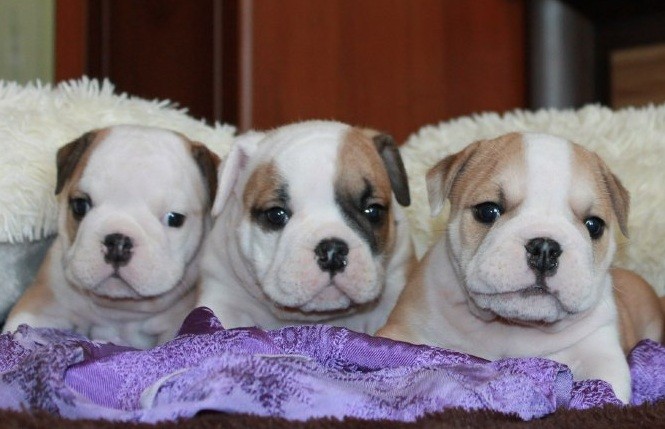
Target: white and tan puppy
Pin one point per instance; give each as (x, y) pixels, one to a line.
(308, 229)
(134, 207)
(524, 266)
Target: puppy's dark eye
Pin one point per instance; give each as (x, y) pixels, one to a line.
(375, 213)
(174, 220)
(80, 207)
(595, 226)
(487, 212)
(277, 216)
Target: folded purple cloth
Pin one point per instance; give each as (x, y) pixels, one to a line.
(297, 373)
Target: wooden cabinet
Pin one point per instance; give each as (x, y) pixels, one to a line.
(389, 64)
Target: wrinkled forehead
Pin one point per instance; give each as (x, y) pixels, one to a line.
(140, 157)
(496, 168)
(317, 166)
(297, 153)
(589, 188)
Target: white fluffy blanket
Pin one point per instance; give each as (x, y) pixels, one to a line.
(631, 141)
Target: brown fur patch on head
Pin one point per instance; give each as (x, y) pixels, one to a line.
(470, 173)
(265, 189)
(72, 159)
(361, 182)
(485, 171)
(208, 163)
(605, 198)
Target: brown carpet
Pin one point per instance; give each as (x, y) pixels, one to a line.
(644, 416)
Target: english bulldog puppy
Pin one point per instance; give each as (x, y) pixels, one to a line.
(308, 229)
(134, 206)
(524, 266)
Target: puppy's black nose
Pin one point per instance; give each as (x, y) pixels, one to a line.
(331, 255)
(542, 255)
(118, 249)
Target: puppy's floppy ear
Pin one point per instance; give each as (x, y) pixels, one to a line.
(619, 196)
(442, 176)
(68, 157)
(208, 163)
(392, 160)
(230, 168)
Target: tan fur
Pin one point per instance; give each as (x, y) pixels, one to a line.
(39, 294)
(262, 186)
(208, 163)
(640, 312)
(359, 162)
(68, 181)
(465, 176)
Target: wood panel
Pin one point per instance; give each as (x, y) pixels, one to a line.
(394, 65)
(71, 36)
(157, 49)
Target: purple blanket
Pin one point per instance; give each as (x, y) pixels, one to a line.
(296, 373)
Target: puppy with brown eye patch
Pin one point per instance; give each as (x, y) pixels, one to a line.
(524, 266)
(308, 229)
(134, 207)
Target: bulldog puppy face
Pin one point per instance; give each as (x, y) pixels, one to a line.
(531, 226)
(133, 207)
(317, 223)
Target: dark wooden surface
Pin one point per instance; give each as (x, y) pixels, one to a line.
(394, 65)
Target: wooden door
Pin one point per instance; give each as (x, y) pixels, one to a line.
(394, 65)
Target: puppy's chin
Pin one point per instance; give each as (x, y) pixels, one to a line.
(115, 288)
(330, 302)
(530, 306)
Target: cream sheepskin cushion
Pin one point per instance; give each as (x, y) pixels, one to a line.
(631, 141)
(35, 120)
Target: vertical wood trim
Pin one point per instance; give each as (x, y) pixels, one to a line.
(71, 31)
(218, 60)
(246, 84)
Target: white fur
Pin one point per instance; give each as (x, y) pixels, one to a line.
(250, 275)
(134, 178)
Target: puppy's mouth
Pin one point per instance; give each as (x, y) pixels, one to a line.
(331, 301)
(115, 287)
(520, 306)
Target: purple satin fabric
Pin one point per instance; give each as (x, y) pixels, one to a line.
(298, 373)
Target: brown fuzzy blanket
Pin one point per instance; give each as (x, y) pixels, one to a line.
(643, 416)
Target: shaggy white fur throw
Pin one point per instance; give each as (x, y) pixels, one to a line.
(631, 141)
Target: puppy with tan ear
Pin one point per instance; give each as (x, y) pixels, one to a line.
(524, 266)
(134, 207)
(309, 229)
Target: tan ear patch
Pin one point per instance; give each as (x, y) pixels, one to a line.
(458, 175)
(72, 160)
(208, 163)
(264, 187)
(613, 197)
(361, 181)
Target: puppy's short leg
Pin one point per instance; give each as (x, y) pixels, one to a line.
(599, 356)
(34, 308)
(640, 311)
